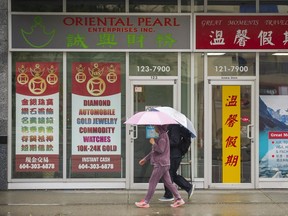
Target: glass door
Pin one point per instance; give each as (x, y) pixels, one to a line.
(231, 134)
(146, 94)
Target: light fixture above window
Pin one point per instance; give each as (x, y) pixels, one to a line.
(215, 54)
(280, 54)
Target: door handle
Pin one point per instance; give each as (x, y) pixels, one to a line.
(249, 132)
(134, 131)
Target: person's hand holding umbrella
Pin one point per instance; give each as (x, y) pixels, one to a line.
(152, 141)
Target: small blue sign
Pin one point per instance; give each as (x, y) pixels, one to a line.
(150, 132)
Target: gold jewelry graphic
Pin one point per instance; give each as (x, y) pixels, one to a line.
(80, 76)
(111, 77)
(22, 77)
(52, 78)
(37, 84)
(96, 86)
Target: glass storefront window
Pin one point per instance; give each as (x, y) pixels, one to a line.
(156, 6)
(273, 124)
(37, 6)
(198, 88)
(222, 132)
(95, 110)
(93, 6)
(267, 6)
(186, 106)
(185, 6)
(153, 64)
(198, 6)
(231, 64)
(273, 74)
(231, 6)
(37, 144)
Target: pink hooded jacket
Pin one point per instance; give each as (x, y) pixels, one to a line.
(160, 153)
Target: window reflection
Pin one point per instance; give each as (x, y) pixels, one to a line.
(230, 6)
(37, 6)
(273, 6)
(156, 6)
(185, 6)
(198, 162)
(273, 74)
(96, 6)
(198, 6)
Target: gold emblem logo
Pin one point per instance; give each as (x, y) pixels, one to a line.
(37, 84)
(80, 76)
(22, 77)
(52, 78)
(111, 77)
(96, 86)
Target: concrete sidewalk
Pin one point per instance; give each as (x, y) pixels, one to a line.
(121, 202)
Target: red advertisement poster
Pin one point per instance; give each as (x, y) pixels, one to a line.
(96, 117)
(248, 32)
(37, 117)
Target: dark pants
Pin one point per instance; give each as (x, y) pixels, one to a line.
(177, 179)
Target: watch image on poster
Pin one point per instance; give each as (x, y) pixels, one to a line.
(273, 136)
(96, 117)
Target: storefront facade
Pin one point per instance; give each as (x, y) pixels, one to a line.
(78, 70)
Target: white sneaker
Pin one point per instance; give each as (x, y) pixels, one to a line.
(177, 203)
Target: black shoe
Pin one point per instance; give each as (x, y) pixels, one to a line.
(190, 192)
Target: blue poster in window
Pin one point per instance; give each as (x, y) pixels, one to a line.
(150, 132)
(273, 136)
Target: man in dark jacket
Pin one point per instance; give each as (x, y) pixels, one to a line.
(174, 132)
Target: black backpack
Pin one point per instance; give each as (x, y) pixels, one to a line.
(185, 140)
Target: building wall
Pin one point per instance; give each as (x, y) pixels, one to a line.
(3, 92)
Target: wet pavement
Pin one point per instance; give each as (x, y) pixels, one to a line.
(121, 202)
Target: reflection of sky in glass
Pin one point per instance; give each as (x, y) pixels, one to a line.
(276, 102)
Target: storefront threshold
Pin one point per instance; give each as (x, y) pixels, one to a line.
(65, 185)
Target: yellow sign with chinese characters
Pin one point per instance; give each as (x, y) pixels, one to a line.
(231, 145)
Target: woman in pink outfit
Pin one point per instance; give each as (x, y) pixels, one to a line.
(160, 159)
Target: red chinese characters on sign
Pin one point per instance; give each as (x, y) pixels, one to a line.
(232, 160)
(232, 100)
(231, 141)
(241, 32)
(231, 120)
